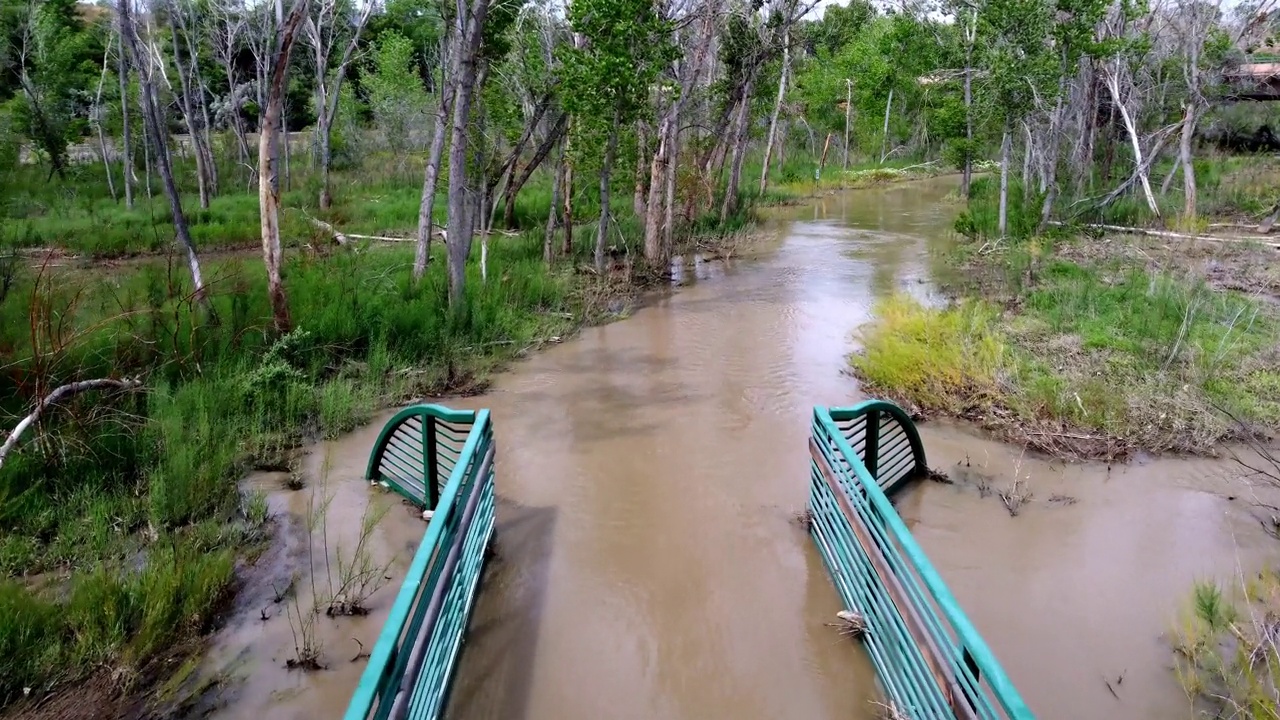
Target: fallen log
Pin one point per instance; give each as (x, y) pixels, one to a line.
(56, 396)
(1260, 240)
(341, 238)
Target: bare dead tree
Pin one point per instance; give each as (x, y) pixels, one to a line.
(323, 34)
(188, 104)
(146, 61)
(228, 25)
(269, 162)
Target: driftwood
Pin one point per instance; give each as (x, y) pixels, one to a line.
(341, 238)
(58, 394)
(1264, 241)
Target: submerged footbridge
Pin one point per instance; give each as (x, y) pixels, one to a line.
(931, 662)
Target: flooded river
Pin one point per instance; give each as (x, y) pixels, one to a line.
(648, 564)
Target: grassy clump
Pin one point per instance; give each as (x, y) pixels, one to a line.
(111, 616)
(1227, 659)
(1111, 357)
(943, 360)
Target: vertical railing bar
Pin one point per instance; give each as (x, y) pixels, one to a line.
(871, 453)
(431, 476)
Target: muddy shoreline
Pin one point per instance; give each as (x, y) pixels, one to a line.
(648, 476)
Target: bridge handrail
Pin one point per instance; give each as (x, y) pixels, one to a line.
(387, 657)
(392, 463)
(972, 649)
(905, 446)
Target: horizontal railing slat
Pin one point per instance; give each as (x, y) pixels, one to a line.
(926, 644)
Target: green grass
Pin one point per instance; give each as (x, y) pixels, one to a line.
(1225, 656)
(945, 360)
(111, 615)
(1135, 359)
(118, 493)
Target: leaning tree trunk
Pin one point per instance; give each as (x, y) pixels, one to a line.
(155, 127)
(1005, 146)
(430, 179)
(515, 183)
(126, 142)
(95, 113)
(269, 168)
(777, 109)
(1113, 84)
(458, 239)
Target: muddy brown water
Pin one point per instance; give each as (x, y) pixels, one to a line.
(647, 561)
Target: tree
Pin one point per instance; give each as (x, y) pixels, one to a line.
(468, 31)
(623, 44)
(56, 56)
(158, 135)
(396, 95)
(324, 33)
(269, 164)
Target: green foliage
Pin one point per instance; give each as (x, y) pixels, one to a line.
(417, 21)
(1140, 358)
(1225, 654)
(59, 58)
(886, 53)
(942, 360)
(626, 43)
(396, 95)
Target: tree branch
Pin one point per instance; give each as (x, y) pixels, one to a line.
(57, 396)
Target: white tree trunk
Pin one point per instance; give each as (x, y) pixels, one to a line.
(1188, 166)
(1006, 144)
(1113, 84)
(777, 109)
(54, 398)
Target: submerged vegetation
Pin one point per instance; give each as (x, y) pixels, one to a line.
(435, 195)
(1226, 657)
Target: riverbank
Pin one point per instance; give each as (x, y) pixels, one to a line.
(125, 532)
(1091, 347)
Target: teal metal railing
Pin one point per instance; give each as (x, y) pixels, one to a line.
(440, 459)
(417, 451)
(931, 661)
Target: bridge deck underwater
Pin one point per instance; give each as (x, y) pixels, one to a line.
(931, 662)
